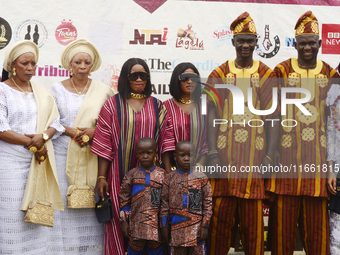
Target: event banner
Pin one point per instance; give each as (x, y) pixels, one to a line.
(162, 32)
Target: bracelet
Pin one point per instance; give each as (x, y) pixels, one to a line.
(212, 156)
(269, 159)
(78, 131)
(41, 149)
(212, 152)
(101, 177)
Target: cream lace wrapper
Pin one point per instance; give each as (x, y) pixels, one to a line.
(47, 113)
(87, 115)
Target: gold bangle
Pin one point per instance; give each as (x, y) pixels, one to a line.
(269, 159)
(101, 177)
(41, 149)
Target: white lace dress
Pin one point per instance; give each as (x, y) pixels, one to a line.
(333, 153)
(18, 112)
(82, 234)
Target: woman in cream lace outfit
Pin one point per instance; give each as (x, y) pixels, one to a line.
(79, 100)
(28, 119)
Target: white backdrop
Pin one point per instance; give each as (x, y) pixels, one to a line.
(122, 29)
(113, 26)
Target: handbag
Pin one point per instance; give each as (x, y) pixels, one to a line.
(40, 212)
(334, 203)
(104, 210)
(79, 195)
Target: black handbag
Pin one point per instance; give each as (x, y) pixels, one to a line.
(334, 203)
(104, 210)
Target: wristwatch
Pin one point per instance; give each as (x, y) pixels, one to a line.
(45, 137)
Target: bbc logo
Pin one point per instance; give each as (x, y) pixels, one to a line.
(333, 35)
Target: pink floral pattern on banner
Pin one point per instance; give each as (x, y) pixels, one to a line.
(150, 5)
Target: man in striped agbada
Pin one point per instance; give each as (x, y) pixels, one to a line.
(241, 145)
(300, 197)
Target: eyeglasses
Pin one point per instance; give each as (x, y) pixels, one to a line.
(185, 77)
(134, 76)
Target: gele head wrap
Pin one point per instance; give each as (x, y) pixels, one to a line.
(81, 46)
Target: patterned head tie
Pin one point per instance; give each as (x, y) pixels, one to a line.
(243, 24)
(307, 24)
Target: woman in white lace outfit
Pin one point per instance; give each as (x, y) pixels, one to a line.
(333, 158)
(28, 119)
(79, 100)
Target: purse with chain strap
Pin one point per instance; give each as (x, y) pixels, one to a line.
(81, 196)
(40, 212)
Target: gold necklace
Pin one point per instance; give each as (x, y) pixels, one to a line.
(83, 89)
(186, 101)
(307, 67)
(137, 96)
(240, 67)
(26, 92)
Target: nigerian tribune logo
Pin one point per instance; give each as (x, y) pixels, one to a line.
(66, 32)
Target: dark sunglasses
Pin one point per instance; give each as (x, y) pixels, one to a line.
(134, 76)
(185, 77)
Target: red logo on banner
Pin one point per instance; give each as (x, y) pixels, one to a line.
(330, 39)
(66, 32)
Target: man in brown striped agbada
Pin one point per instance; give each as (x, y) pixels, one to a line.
(239, 195)
(300, 197)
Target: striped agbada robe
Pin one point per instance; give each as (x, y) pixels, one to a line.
(301, 194)
(181, 126)
(118, 129)
(239, 146)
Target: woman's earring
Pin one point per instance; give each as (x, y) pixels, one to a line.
(90, 74)
(14, 73)
(71, 72)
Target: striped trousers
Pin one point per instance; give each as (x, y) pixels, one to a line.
(310, 213)
(222, 226)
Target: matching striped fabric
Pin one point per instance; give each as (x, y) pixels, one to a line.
(312, 216)
(242, 145)
(118, 130)
(304, 145)
(222, 226)
(181, 126)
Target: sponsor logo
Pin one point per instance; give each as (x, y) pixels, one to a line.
(51, 71)
(290, 42)
(207, 65)
(265, 48)
(188, 39)
(33, 30)
(160, 89)
(330, 39)
(222, 36)
(5, 33)
(111, 76)
(156, 65)
(66, 32)
(150, 36)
